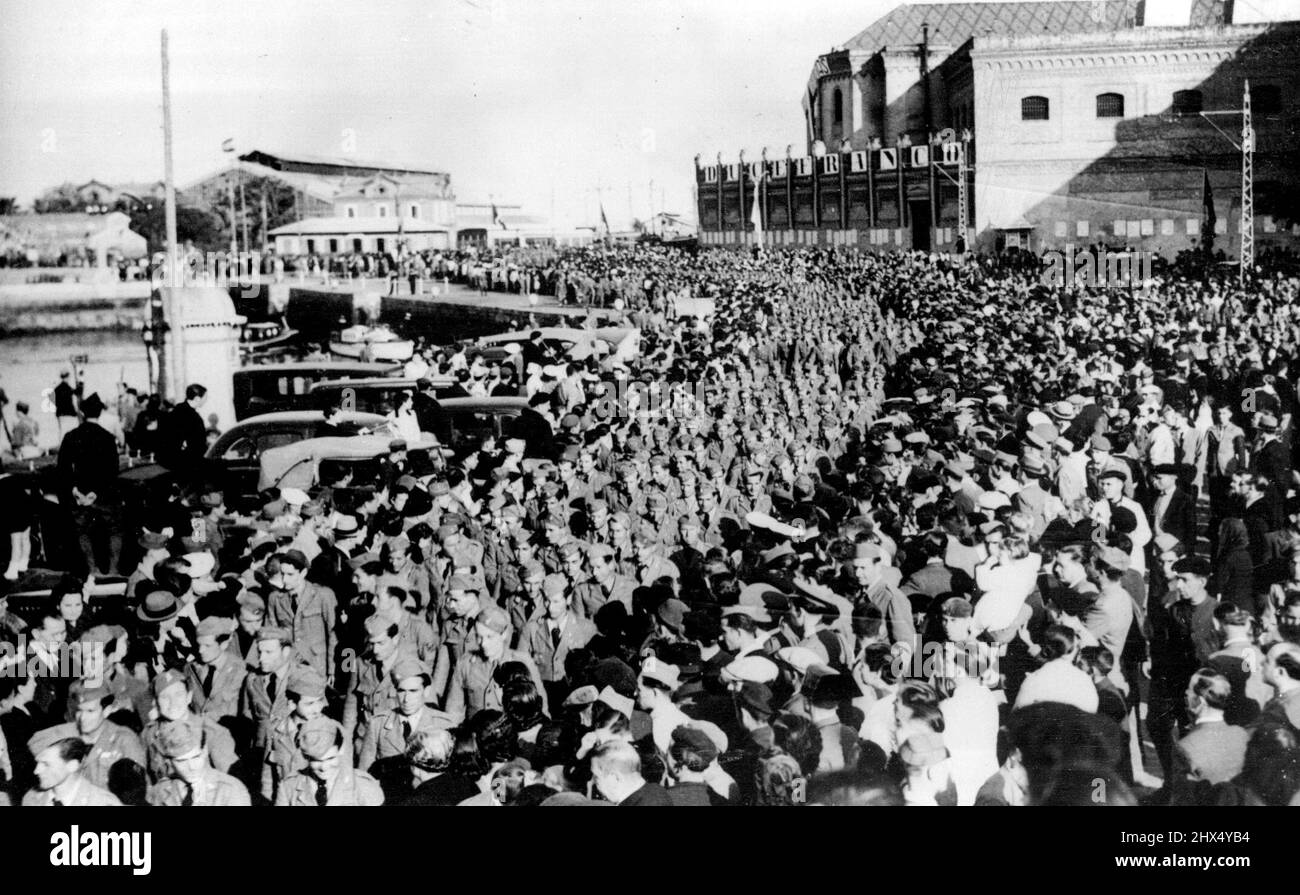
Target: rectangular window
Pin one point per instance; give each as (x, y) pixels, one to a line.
(1134, 228)
(379, 244)
(1059, 229)
(381, 210)
(415, 211)
(1193, 227)
(1167, 227)
(1034, 108)
(1148, 227)
(356, 245)
(1121, 228)
(352, 211)
(1081, 228)
(311, 247)
(334, 246)
(1110, 105)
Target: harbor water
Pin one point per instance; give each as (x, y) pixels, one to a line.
(30, 367)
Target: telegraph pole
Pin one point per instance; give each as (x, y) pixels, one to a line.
(1247, 188)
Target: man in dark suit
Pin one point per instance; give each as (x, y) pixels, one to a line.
(88, 468)
(185, 436)
(428, 412)
(1213, 751)
(535, 428)
(1172, 509)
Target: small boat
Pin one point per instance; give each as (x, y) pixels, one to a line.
(266, 335)
(376, 343)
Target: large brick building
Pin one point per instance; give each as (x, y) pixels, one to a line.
(1077, 122)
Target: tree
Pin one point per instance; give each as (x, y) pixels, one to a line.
(193, 225)
(62, 198)
(8, 205)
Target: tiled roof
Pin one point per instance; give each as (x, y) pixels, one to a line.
(953, 24)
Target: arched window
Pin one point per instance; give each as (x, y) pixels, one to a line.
(837, 107)
(1033, 108)
(1110, 105)
(1188, 102)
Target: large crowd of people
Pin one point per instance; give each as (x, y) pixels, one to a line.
(881, 530)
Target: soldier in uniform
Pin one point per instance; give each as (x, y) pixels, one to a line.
(330, 778)
(116, 754)
(263, 701)
(192, 780)
(217, 676)
(309, 611)
(59, 781)
(373, 692)
(383, 751)
(472, 686)
(171, 693)
(306, 694)
(549, 636)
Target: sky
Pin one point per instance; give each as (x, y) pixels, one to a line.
(588, 101)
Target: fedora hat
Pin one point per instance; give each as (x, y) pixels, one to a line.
(158, 606)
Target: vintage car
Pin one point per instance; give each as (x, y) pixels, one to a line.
(234, 459)
(269, 388)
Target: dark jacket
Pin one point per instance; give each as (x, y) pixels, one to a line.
(88, 461)
(184, 439)
(443, 791)
(1179, 519)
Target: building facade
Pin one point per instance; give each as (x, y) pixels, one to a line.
(1057, 122)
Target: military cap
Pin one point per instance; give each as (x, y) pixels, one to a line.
(531, 569)
(81, 691)
(1115, 558)
(44, 739)
(318, 736)
(408, 667)
(555, 585)
(213, 626)
(463, 582)
(272, 632)
(306, 683)
(179, 738)
(1100, 443)
(166, 679)
(249, 600)
(493, 618)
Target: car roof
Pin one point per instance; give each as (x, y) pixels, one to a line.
(573, 334)
(500, 402)
(329, 365)
(310, 416)
(380, 382)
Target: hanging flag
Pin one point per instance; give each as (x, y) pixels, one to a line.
(1208, 218)
(496, 218)
(604, 221)
(228, 144)
(756, 213)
